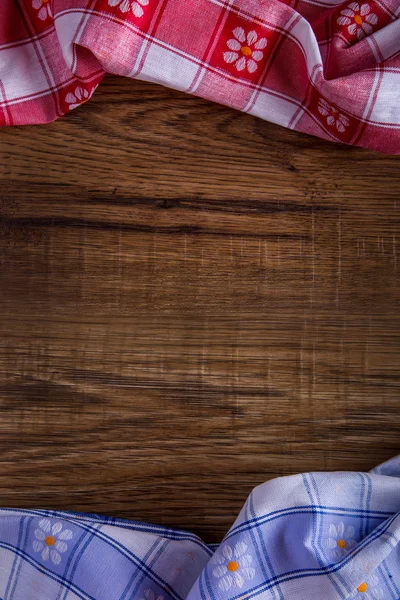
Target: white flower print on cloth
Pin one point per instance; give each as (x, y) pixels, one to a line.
(43, 7)
(136, 6)
(368, 590)
(340, 540)
(232, 566)
(150, 595)
(245, 50)
(50, 540)
(76, 98)
(358, 19)
(333, 117)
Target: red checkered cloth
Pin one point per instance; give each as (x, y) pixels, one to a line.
(328, 68)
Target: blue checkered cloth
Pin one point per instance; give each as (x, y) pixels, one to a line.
(318, 536)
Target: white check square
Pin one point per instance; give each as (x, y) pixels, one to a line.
(387, 103)
(22, 73)
(167, 67)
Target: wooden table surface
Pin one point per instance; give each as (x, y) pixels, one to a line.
(192, 302)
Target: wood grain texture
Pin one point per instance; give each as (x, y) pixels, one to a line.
(192, 302)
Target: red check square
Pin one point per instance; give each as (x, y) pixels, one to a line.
(242, 48)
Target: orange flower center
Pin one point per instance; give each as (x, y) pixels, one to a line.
(358, 19)
(232, 566)
(246, 50)
(362, 587)
(50, 541)
(342, 544)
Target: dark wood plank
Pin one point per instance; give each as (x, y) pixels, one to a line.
(192, 302)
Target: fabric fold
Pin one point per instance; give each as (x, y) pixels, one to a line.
(327, 68)
(316, 535)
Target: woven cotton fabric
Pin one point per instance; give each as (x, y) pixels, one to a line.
(317, 536)
(324, 67)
